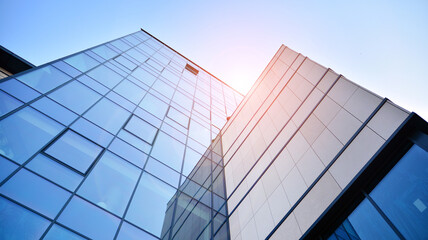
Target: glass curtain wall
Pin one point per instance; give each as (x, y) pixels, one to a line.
(96, 144)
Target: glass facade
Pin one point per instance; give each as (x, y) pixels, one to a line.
(103, 144)
(397, 206)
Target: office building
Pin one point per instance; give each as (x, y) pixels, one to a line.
(130, 140)
(95, 144)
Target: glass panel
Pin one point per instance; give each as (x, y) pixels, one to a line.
(141, 129)
(104, 52)
(129, 232)
(75, 151)
(106, 76)
(17, 222)
(57, 232)
(163, 88)
(67, 68)
(6, 168)
(149, 204)
(190, 160)
(92, 132)
(182, 100)
(35, 192)
(163, 172)
(120, 45)
(168, 150)
(54, 110)
(144, 76)
(23, 133)
(130, 91)
(75, 96)
(56, 172)
(154, 106)
(134, 141)
(199, 133)
(108, 115)
(368, 223)
(403, 194)
(137, 55)
(179, 117)
(44, 79)
(126, 62)
(88, 219)
(123, 102)
(81, 62)
(8, 103)
(19, 90)
(128, 152)
(111, 183)
(93, 84)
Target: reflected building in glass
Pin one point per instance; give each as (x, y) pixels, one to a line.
(131, 140)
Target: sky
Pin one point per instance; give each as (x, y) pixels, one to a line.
(380, 45)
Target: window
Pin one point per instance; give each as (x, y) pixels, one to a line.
(129, 232)
(192, 69)
(35, 193)
(128, 152)
(141, 129)
(56, 172)
(57, 232)
(172, 155)
(8, 103)
(44, 79)
(19, 223)
(75, 96)
(23, 133)
(154, 106)
(54, 110)
(82, 62)
(111, 183)
(89, 220)
(108, 115)
(149, 212)
(19, 90)
(75, 151)
(130, 91)
(144, 76)
(104, 52)
(105, 76)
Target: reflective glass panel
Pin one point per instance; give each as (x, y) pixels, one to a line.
(75, 151)
(129, 232)
(75, 96)
(6, 168)
(163, 88)
(67, 68)
(199, 133)
(179, 117)
(148, 206)
(44, 79)
(17, 222)
(144, 76)
(56, 172)
(57, 232)
(172, 155)
(54, 110)
(126, 62)
(154, 106)
(8, 103)
(163, 172)
(104, 52)
(108, 115)
(128, 152)
(130, 91)
(19, 90)
(141, 129)
(93, 84)
(191, 158)
(403, 194)
(92, 132)
(110, 183)
(23, 133)
(35, 193)
(81, 62)
(105, 75)
(89, 220)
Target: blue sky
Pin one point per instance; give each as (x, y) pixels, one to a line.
(381, 45)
